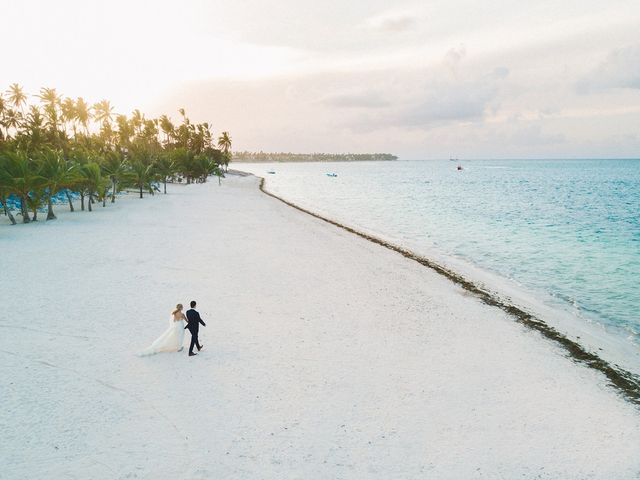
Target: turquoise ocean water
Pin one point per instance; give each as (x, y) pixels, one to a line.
(564, 231)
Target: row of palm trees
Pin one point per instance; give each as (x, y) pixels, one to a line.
(64, 148)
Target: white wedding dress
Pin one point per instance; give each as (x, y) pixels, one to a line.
(170, 341)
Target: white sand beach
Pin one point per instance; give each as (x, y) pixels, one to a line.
(325, 357)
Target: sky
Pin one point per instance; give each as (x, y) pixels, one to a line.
(422, 80)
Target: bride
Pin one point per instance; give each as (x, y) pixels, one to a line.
(173, 337)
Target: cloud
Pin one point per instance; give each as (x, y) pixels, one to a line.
(442, 103)
(500, 72)
(391, 22)
(453, 57)
(621, 69)
(533, 135)
(356, 100)
(418, 98)
(452, 100)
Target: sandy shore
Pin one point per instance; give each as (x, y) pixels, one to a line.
(326, 356)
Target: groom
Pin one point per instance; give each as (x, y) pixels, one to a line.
(193, 321)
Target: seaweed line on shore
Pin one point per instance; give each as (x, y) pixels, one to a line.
(624, 381)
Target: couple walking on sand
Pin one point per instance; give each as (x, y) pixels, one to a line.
(172, 339)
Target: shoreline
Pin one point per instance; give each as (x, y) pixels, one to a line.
(253, 161)
(625, 382)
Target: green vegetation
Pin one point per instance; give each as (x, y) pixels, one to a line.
(62, 147)
(310, 157)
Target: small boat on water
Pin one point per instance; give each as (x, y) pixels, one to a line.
(459, 167)
(332, 174)
(271, 172)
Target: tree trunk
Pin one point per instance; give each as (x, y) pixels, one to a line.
(140, 190)
(82, 201)
(24, 210)
(7, 212)
(69, 199)
(35, 214)
(11, 218)
(165, 185)
(104, 201)
(50, 214)
(113, 192)
(89, 202)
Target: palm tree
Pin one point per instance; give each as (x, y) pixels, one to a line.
(197, 138)
(82, 114)
(35, 199)
(3, 108)
(23, 179)
(117, 168)
(103, 112)
(184, 161)
(124, 131)
(68, 113)
(142, 176)
(7, 211)
(224, 143)
(107, 136)
(167, 128)
(165, 167)
(183, 132)
(150, 132)
(137, 121)
(103, 115)
(51, 102)
(33, 132)
(206, 131)
(103, 192)
(6, 182)
(205, 164)
(17, 97)
(78, 155)
(67, 192)
(92, 182)
(12, 119)
(59, 175)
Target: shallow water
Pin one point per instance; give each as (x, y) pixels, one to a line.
(567, 231)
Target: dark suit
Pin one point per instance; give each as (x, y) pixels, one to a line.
(193, 324)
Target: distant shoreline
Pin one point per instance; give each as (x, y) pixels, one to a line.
(307, 161)
(263, 157)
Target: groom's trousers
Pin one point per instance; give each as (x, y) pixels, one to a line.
(194, 340)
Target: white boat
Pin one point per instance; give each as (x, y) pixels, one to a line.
(332, 174)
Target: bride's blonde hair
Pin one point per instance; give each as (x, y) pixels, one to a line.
(178, 308)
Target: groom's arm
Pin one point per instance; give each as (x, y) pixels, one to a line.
(201, 321)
